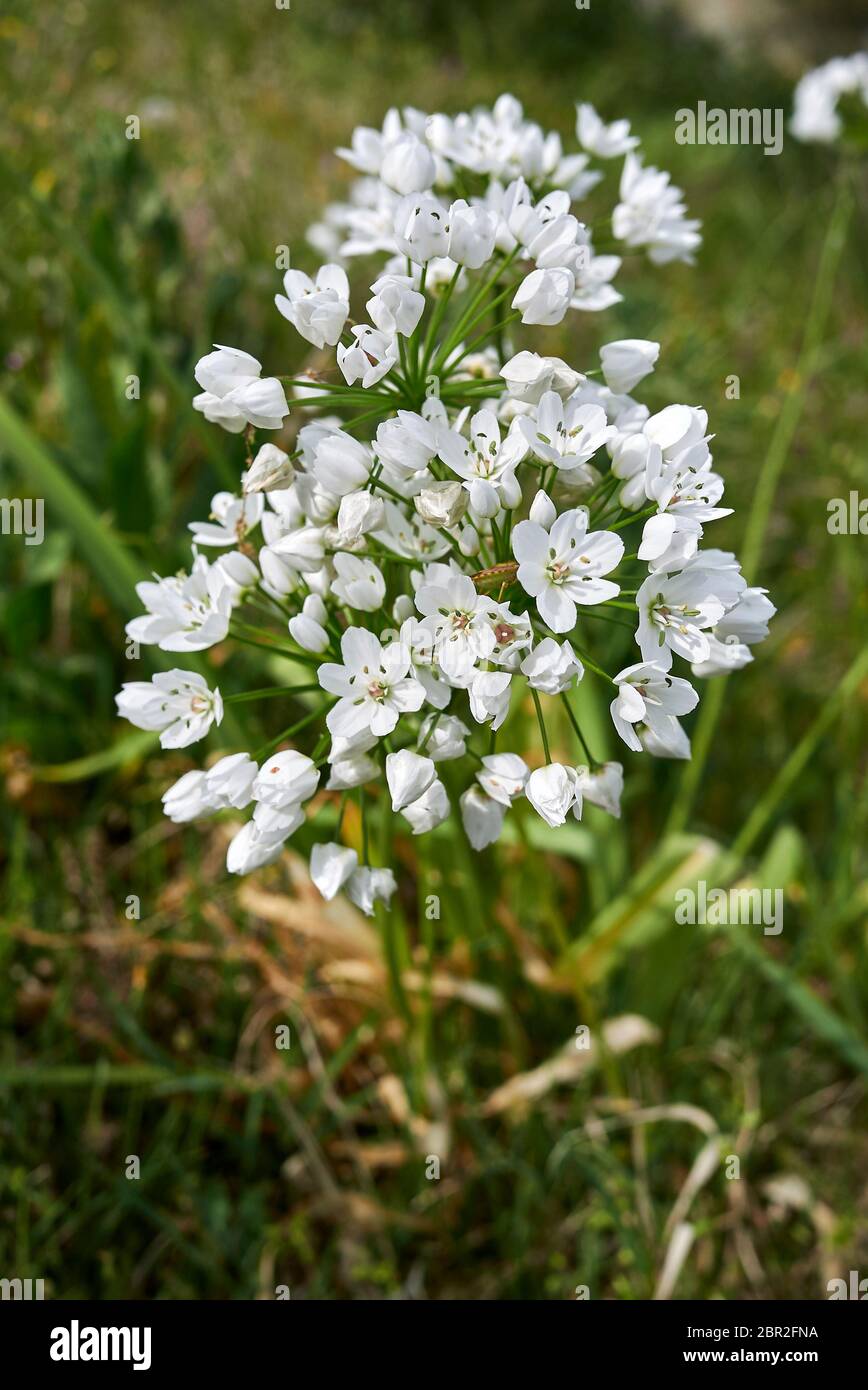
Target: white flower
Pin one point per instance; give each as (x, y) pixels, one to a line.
(677, 428)
(528, 377)
(741, 628)
(553, 792)
(815, 100)
(370, 357)
(675, 610)
(489, 693)
(419, 641)
(318, 310)
(233, 518)
(369, 145)
(562, 567)
(408, 777)
(270, 471)
(552, 667)
(594, 276)
(649, 700)
(359, 584)
(366, 887)
(421, 228)
(457, 616)
(627, 361)
(373, 685)
(481, 817)
(251, 849)
(177, 704)
(407, 443)
(544, 296)
(602, 786)
(395, 306)
(188, 798)
(186, 613)
(341, 464)
(229, 783)
(441, 504)
(503, 777)
(485, 462)
(443, 737)
(407, 165)
(651, 214)
(359, 513)
(605, 141)
(687, 493)
(472, 232)
(512, 634)
(233, 395)
(351, 768)
(547, 232)
(429, 810)
(303, 548)
(567, 435)
(543, 510)
(331, 866)
(307, 628)
(285, 779)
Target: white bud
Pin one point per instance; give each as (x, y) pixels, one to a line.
(441, 504)
(627, 361)
(270, 471)
(359, 513)
(408, 776)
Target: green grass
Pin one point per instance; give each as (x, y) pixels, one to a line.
(155, 1035)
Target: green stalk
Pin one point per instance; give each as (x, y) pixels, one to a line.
(542, 727)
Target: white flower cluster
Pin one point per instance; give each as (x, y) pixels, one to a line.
(815, 115)
(454, 516)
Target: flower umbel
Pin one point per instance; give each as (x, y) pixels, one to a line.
(462, 528)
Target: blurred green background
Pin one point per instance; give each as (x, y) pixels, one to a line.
(154, 1034)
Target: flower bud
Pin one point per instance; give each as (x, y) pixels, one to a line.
(441, 504)
(270, 471)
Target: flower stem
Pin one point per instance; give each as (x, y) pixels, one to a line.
(542, 727)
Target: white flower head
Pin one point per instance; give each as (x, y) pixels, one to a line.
(562, 567)
(270, 471)
(605, 141)
(553, 792)
(650, 700)
(234, 394)
(552, 667)
(627, 361)
(503, 776)
(366, 887)
(317, 309)
(459, 620)
(528, 376)
(359, 583)
(370, 358)
(331, 866)
(177, 704)
(373, 685)
(408, 777)
(602, 786)
(395, 306)
(482, 817)
(429, 810)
